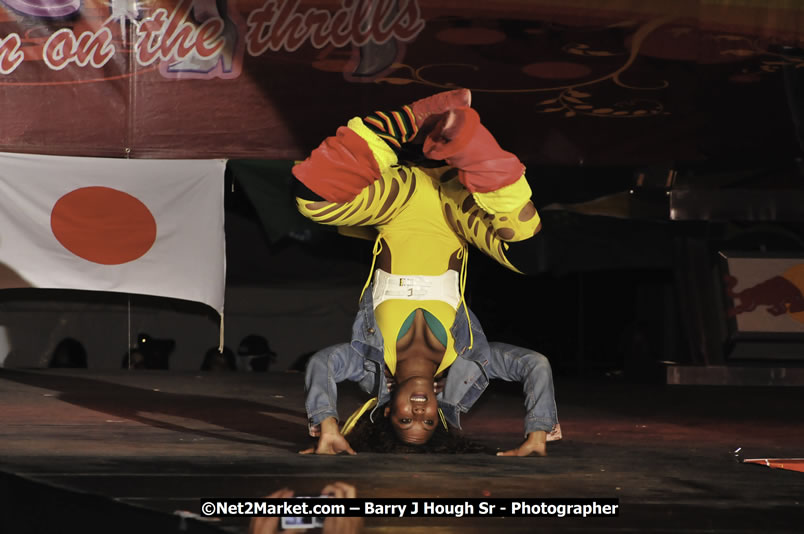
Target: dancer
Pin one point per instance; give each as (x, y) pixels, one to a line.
(423, 182)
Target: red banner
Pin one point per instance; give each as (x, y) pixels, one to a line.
(558, 82)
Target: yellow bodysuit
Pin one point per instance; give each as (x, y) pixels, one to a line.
(421, 243)
(424, 216)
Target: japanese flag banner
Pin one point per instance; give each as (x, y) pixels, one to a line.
(152, 227)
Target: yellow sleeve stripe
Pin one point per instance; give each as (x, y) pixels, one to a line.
(400, 125)
(390, 139)
(374, 122)
(411, 119)
(389, 124)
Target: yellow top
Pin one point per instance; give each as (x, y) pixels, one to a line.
(421, 243)
(424, 216)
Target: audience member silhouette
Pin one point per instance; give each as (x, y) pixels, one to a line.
(217, 361)
(254, 354)
(149, 353)
(69, 353)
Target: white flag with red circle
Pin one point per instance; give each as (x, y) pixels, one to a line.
(152, 227)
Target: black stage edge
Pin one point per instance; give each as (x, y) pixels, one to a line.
(30, 506)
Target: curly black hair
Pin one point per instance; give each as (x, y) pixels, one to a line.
(379, 436)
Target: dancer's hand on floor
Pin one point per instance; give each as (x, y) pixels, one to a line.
(331, 440)
(534, 445)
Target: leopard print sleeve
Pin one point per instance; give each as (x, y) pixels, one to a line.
(375, 205)
(488, 232)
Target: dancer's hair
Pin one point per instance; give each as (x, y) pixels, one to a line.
(379, 436)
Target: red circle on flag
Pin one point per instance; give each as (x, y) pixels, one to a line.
(103, 225)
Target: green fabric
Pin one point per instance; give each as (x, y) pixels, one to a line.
(432, 322)
(436, 327)
(406, 325)
(268, 185)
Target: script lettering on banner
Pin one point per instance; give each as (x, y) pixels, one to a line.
(200, 40)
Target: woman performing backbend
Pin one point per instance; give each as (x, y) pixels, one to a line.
(413, 324)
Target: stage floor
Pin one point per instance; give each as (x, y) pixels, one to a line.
(134, 447)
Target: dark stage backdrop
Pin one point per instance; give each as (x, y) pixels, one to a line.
(559, 81)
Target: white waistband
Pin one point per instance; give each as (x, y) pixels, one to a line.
(444, 287)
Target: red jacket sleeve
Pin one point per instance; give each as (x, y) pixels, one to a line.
(340, 167)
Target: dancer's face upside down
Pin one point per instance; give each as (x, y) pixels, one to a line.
(414, 410)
